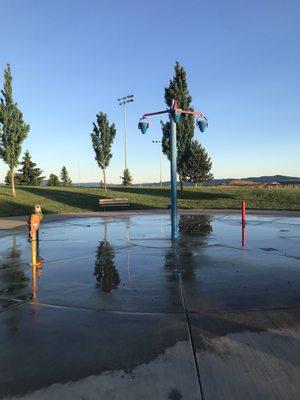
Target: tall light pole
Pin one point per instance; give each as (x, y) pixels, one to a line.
(160, 162)
(123, 102)
(174, 113)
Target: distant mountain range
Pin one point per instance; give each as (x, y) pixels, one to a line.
(274, 178)
(214, 182)
(265, 179)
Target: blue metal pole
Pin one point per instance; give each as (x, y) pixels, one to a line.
(173, 178)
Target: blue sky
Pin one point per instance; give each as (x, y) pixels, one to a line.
(73, 58)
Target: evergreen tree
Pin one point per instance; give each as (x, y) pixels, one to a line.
(178, 90)
(31, 174)
(126, 178)
(198, 166)
(13, 129)
(102, 138)
(53, 180)
(17, 176)
(64, 176)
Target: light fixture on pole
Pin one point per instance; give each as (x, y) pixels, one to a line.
(123, 101)
(160, 161)
(174, 113)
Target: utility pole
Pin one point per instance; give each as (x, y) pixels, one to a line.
(78, 173)
(160, 162)
(123, 102)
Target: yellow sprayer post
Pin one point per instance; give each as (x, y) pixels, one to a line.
(34, 284)
(33, 248)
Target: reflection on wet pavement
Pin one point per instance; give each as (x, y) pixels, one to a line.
(115, 310)
(105, 271)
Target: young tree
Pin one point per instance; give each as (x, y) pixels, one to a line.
(102, 138)
(13, 129)
(53, 180)
(126, 178)
(30, 173)
(178, 90)
(64, 176)
(198, 166)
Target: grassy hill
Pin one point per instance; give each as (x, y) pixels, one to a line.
(76, 199)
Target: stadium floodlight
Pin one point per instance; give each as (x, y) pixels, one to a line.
(123, 101)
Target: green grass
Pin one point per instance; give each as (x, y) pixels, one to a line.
(76, 199)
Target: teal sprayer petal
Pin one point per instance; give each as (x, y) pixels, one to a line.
(143, 126)
(202, 124)
(175, 114)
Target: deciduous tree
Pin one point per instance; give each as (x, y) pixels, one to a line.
(102, 137)
(13, 129)
(53, 180)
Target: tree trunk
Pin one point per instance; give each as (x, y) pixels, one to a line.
(181, 187)
(104, 180)
(12, 177)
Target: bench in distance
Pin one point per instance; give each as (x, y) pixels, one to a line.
(117, 202)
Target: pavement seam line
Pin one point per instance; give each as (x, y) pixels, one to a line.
(103, 310)
(191, 338)
(12, 306)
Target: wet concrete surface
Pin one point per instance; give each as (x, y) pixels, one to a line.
(117, 311)
(252, 355)
(60, 345)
